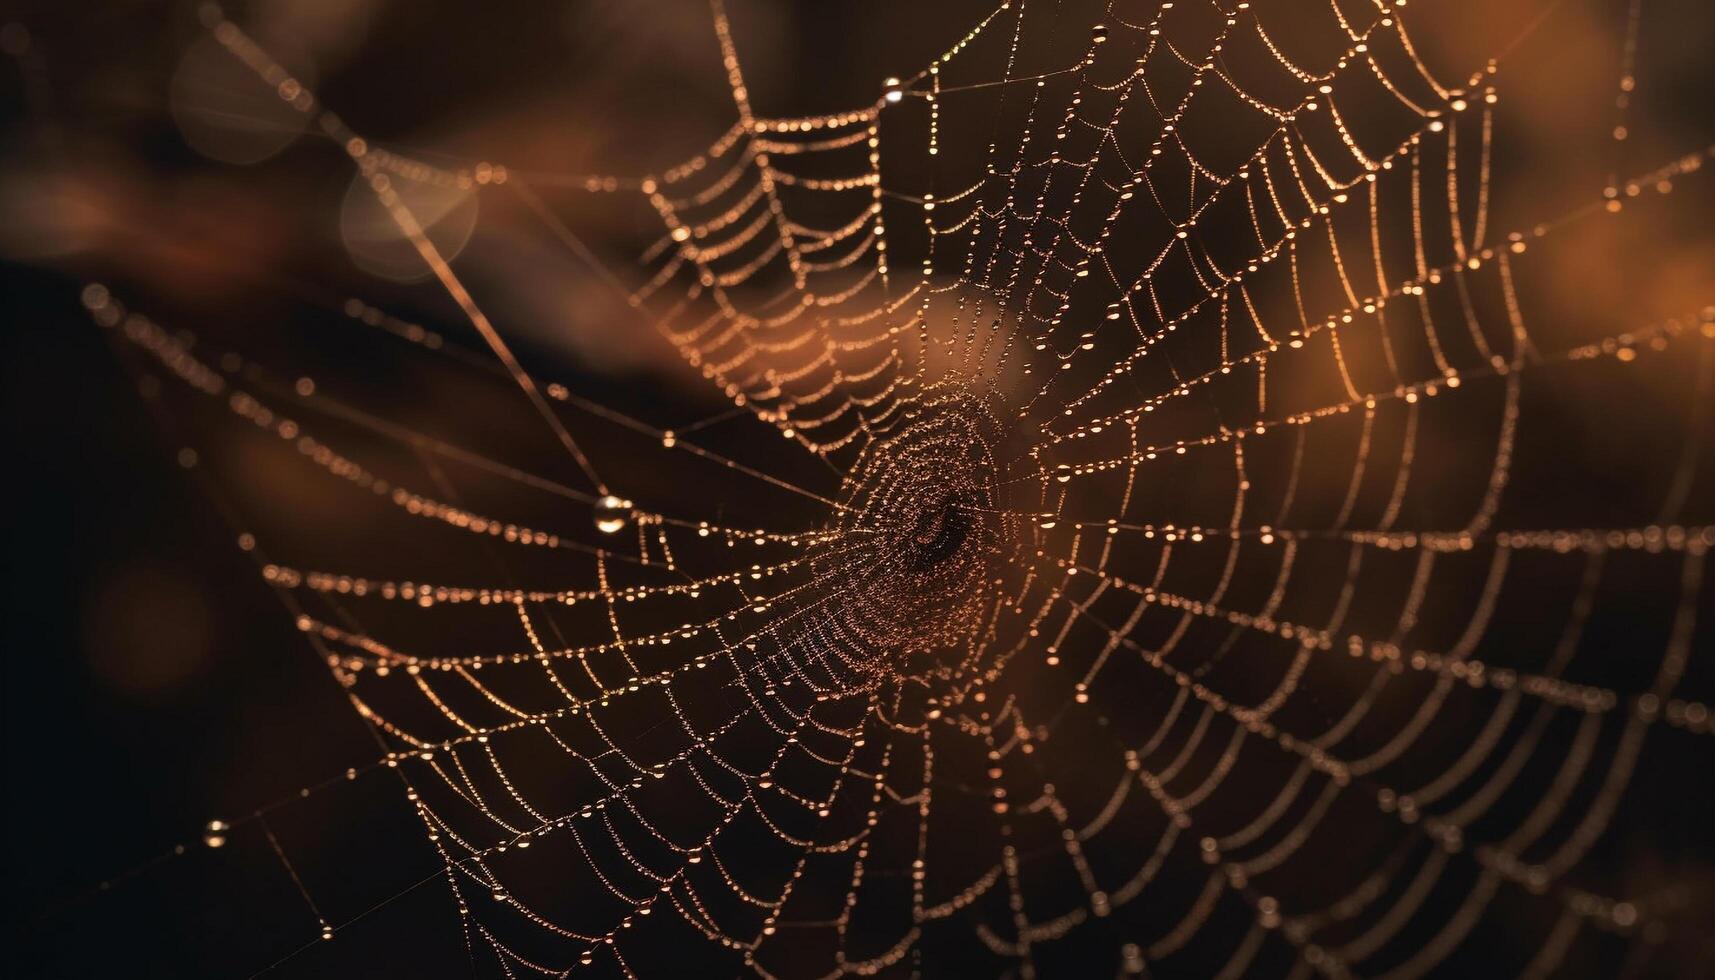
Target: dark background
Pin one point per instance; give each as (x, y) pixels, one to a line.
(115, 557)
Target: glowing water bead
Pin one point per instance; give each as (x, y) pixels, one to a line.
(214, 834)
(612, 514)
(1098, 34)
(892, 90)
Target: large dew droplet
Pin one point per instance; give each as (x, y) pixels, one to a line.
(447, 215)
(226, 112)
(612, 514)
(214, 834)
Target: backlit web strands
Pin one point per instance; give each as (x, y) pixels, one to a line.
(1152, 615)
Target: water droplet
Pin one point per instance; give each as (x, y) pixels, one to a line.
(226, 112)
(612, 514)
(214, 835)
(447, 216)
(1099, 33)
(668, 440)
(892, 90)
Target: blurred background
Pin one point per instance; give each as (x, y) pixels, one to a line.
(151, 683)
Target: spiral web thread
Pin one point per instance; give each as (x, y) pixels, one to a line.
(1081, 654)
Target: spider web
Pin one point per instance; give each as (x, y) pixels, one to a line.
(1165, 590)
